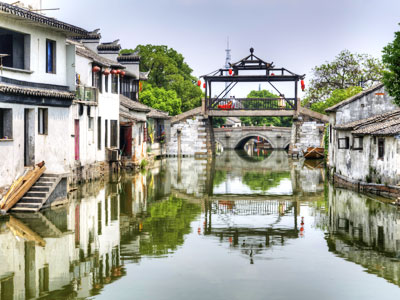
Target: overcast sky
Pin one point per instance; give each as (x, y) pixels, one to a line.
(296, 34)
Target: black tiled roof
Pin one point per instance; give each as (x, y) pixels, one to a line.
(113, 46)
(22, 13)
(128, 57)
(36, 92)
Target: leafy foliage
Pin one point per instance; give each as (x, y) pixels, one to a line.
(267, 121)
(218, 121)
(169, 72)
(345, 71)
(162, 99)
(336, 97)
(391, 76)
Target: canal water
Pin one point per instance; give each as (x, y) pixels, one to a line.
(245, 226)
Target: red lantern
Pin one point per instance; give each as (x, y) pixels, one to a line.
(230, 71)
(118, 71)
(123, 73)
(272, 74)
(96, 69)
(204, 85)
(199, 83)
(113, 72)
(106, 72)
(303, 86)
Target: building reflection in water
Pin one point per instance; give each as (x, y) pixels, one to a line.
(365, 231)
(74, 251)
(67, 252)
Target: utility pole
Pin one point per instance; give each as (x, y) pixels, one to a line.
(227, 64)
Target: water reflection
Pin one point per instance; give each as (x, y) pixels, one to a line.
(365, 231)
(271, 214)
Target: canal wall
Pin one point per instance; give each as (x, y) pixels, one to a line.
(388, 191)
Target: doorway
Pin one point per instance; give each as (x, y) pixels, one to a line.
(29, 137)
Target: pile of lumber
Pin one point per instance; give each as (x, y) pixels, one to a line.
(20, 187)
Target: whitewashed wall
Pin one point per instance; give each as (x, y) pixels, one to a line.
(38, 53)
(51, 148)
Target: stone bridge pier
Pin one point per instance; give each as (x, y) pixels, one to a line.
(236, 138)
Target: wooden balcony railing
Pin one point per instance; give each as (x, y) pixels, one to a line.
(252, 104)
(85, 93)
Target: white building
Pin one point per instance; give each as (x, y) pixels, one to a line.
(35, 91)
(363, 139)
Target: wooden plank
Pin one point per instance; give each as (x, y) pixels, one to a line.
(32, 178)
(20, 229)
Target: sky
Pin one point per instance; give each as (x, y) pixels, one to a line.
(295, 34)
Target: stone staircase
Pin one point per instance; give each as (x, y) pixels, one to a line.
(37, 196)
(39, 224)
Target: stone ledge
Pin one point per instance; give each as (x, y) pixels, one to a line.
(387, 191)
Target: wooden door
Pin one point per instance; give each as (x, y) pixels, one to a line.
(76, 139)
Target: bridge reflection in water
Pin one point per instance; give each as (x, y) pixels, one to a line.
(78, 250)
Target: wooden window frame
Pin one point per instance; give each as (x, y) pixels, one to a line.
(361, 142)
(347, 143)
(6, 116)
(381, 148)
(43, 121)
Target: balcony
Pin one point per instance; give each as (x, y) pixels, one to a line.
(87, 94)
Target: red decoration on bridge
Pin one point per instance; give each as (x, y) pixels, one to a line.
(303, 86)
(230, 71)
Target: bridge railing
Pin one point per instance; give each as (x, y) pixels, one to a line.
(252, 104)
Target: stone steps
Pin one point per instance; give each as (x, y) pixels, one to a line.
(37, 196)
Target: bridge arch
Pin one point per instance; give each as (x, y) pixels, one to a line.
(245, 138)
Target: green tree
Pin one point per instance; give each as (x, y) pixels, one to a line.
(160, 98)
(391, 76)
(169, 71)
(336, 97)
(265, 180)
(267, 121)
(345, 71)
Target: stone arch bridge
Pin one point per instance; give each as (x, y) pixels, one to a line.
(237, 137)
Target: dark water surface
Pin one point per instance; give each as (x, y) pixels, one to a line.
(239, 227)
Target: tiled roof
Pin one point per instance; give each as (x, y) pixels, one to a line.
(158, 114)
(129, 57)
(92, 35)
(384, 124)
(21, 13)
(133, 105)
(86, 52)
(144, 75)
(113, 46)
(354, 98)
(36, 92)
(131, 117)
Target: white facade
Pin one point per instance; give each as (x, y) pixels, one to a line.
(362, 162)
(49, 145)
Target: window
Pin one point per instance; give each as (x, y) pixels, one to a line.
(106, 83)
(90, 123)
(17, 48)
(381, 148)
(97, 80)
(343, 143)
(358, 143)
(105, 133)
(50, 56)
(43, 120)
(99, 133)
(330, 134)
(114, 84)
(5, 123)
(114, 133)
